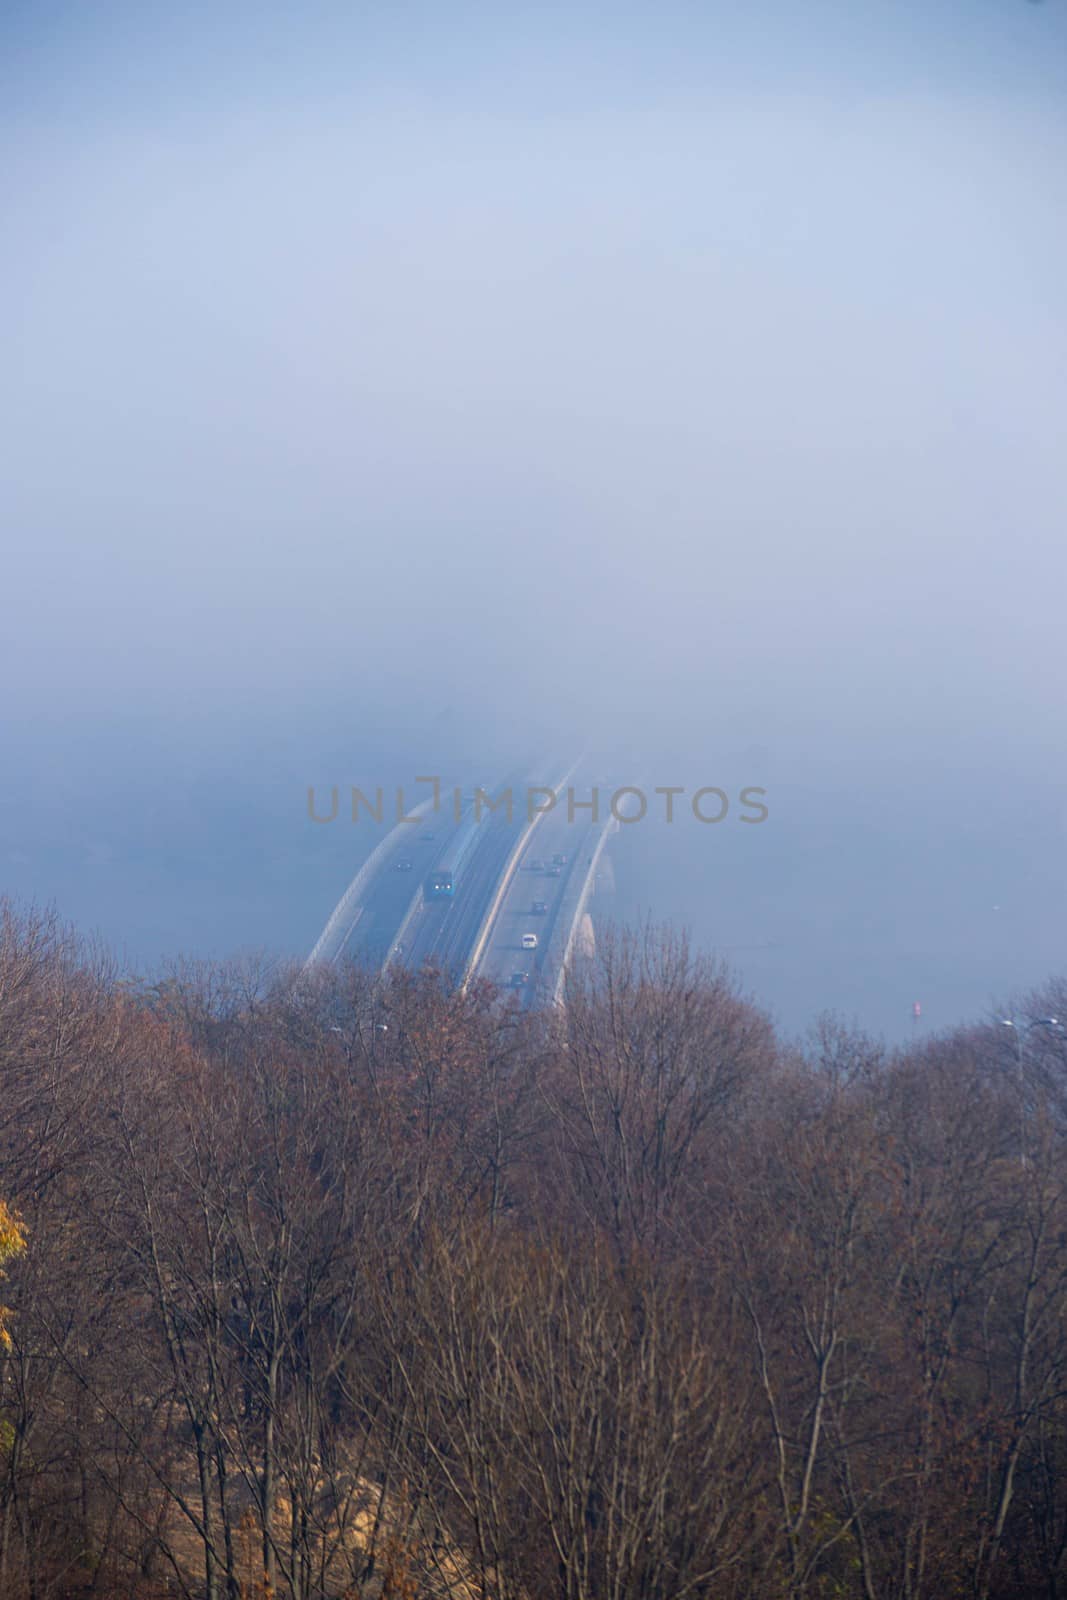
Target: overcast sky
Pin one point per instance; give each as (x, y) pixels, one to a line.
(688, 381)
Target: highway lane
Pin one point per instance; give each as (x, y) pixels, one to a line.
(369, 928)
(446, 934)
(445, 930)
(540, 881)
(483, 876)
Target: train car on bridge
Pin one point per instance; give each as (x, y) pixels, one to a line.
(441, 882)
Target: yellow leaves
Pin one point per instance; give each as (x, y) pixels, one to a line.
(12, 1244)
(12, 1234)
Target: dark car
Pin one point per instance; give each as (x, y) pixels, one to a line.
(402, 866)
(539, 908)
(553, 872)
(559, 860)
(519, 980)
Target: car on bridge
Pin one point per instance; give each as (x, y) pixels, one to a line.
(559, 859)
(529, 941)
(402, 866)
(519, 980)
(539, 908)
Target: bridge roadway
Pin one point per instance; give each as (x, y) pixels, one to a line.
(384, 917)
(364, 924)
(446, 931)
(540, 881)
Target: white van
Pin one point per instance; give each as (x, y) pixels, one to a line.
(529, 941)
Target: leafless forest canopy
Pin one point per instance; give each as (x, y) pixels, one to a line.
(338, 1288)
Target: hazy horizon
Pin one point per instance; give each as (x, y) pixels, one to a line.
(401, 385)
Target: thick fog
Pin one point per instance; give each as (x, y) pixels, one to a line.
(401, 388)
